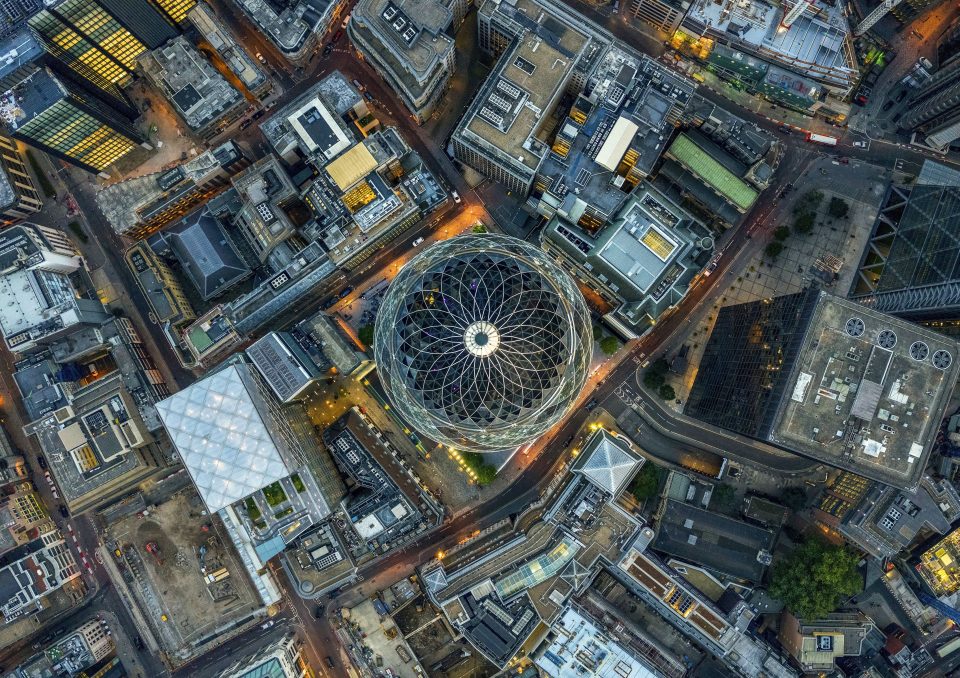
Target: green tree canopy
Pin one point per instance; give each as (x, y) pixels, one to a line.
(597, 332)
(815, 578)
(365, 334)
(667, 392)
(609, 345)
(646, 483)
(724, 496)
(653, 380)
(794, 498)
(782, 233)
(774, 249)
(804, 222)
(838, 208)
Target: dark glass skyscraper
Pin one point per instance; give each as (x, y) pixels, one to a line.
(52, 114)
(107, 36)
(747, 362)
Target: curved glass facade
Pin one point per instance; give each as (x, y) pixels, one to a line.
(482, 342)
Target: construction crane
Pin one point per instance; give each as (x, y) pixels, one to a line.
(875, 16)
(793, 14)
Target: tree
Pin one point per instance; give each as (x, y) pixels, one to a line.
(653, 380)
(365, 334)
(774, 249)
(808, 203)
(667, 392)
(815, 577)
(803, 224)
(838, 208)
(609, 345)
(724, 496)
(794, 498)
(646, 484)
(782, 233)
(597, 333)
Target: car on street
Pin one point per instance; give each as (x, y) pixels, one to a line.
(328, 49)
(860, 144)
(261, 58)
(337, 36)
(63, 511)
(318, 612)
(368, 96)
(456, 198)
(259, 114)
(359, 85)
(329, 661)
(42, 461)
(246, 123)
(900, 97)
(417, 242)
(887, 106)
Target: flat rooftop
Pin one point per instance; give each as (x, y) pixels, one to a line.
(867, 392)
(28, 297)
(197, 91)
(517, 96)
(712, 172)
(717, 542)
(412, 29)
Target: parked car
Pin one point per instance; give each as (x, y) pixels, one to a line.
(246, 123)
(359, 85)
(860, 144)
(42, 461)
(368, 96)
(887, 106)
(63, 511)
(456, 198)
(901, 96)
(259, 114)
(261, 58)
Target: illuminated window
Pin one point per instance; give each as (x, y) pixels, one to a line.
(658, 243)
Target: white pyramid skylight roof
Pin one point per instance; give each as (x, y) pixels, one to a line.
(608, 462)
(221, 438)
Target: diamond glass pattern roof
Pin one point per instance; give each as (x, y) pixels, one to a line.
(607, 462)
(221, 436)
(482, 342)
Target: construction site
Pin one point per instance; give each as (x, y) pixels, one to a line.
(187, 580)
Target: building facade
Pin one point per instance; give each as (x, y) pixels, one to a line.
(52, 114)
(33, 571)
(19, 197)
(933, 109)
(410, 45)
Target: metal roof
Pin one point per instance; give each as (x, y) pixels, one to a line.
(712, 172)
(608, 462)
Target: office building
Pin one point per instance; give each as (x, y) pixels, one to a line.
(908, 267)
(247, 69)
(828, 379)
(271, 211)
(254, 460)
(663, 15)
(108, 36)
(933, 109)
(939, 565)
(500, 135)
(22, 516)
(641, 262)
(33, 571)
(611, 138)
(19, 197)
(293, 26)
(503, 602)
(200, 95)
(284, 365)
(368, 195)
(160, 286)
(817, 44)
(517, 343)
(709, 177)
(315, 126)
(282, 658)
(723, 632)
(52, 114)
(140, 206)
(82, 649)
(816, 645)
(203, 253)
(410, 44)
(211, 338)
(948, 45)
(329, 347)
(888, 521)
(38, 301)
(581, 646)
